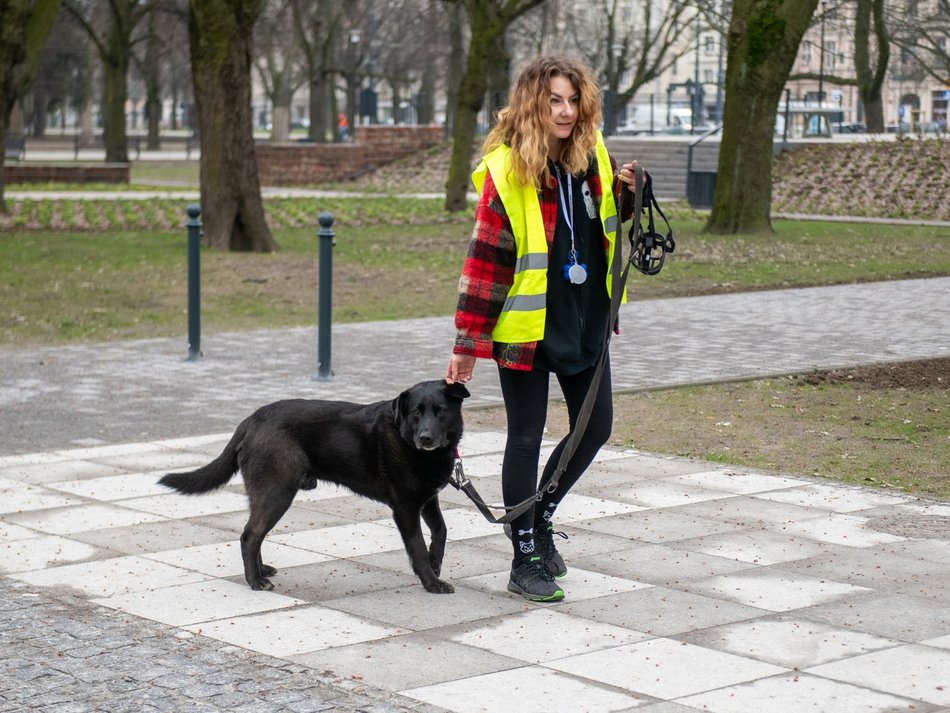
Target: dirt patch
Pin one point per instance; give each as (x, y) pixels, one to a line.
(883, 425)
(913, 525)
(925, 374)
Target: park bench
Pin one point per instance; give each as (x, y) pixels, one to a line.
(96, 141)
(14, 146)
(135, 143)
(189, 141)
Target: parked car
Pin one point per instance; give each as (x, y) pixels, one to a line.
(848, 127)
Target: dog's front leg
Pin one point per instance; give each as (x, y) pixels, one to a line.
(432, 514)
(411, 530)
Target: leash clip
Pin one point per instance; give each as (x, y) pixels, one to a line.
(458, 480)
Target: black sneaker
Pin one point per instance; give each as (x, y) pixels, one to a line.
(531, 579)
(544, 541)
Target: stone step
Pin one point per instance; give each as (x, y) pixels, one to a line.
(666, 160)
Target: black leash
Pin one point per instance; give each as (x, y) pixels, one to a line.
(648, 250)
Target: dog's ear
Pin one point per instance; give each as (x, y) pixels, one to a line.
(456, 391)
(399, 406)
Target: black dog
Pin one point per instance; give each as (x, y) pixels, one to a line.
(398, 452)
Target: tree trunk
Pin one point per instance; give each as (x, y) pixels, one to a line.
(153, 86)
(86, 123)
(870, 80)
(24, 28)
(220, 33)
(114, 94)
(499, 80)
(153, 110)
(764, 36)
(322, 113)
(280, 124)
(115, 74)
(471, 95)
(425, 101)
(488, 20)
(38, 120)
(456, 65)
(319, 121)
(395, 88)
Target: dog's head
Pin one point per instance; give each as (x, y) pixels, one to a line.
(429, 414)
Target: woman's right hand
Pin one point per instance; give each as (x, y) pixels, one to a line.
(460, 369)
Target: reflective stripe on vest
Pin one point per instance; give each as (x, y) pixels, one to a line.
(523, 313)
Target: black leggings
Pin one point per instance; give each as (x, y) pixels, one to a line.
(526, 402)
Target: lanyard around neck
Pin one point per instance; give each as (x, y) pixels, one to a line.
(567, 207)
(574, 272)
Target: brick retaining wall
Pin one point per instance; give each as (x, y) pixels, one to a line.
(66, 173)
(294, 164)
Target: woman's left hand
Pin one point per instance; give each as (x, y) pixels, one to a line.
(627, 175)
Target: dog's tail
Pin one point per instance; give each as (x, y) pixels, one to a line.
(214, 475)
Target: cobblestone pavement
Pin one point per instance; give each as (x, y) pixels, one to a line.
(70, 657)
(692, 586)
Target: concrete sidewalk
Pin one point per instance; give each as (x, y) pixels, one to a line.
(692, 586)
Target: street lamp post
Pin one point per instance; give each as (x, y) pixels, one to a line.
(821, 56)
(720, 77)
(695, 97)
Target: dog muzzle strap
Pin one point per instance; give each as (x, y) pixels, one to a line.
(649, 248)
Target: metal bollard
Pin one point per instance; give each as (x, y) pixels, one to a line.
(325, 296)
(194, 282)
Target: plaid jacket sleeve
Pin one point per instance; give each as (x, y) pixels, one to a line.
(487, 275)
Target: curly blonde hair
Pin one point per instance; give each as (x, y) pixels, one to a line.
(523, 124)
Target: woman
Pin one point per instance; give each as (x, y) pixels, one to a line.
(535, 289)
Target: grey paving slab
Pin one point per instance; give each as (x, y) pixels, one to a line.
(894, 616)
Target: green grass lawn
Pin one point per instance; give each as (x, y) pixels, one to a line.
(393, 259)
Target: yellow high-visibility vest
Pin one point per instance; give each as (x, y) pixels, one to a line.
(522, 316)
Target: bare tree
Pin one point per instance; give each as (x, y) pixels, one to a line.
(111, 26)
(354, 56)
(177, 62)
(487, 58)
(221, 33)
(764, 36)
(922, 32)
(318, 25)
(411, 32)
(24, 28)
(629, 51)
(432, 59)
(872, 50)
(280, 65)
(542, 30)
(146, 52)
(63, 76)
(157, 40)
(455, 18)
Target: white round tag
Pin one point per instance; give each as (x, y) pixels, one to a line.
(577, 274)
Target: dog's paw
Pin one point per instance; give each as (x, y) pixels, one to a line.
(440, 587)
(268, 571)
(261, 584)
(436, 565)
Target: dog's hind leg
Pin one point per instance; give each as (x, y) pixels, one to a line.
(432, 514)
(410, 528)
(266, 509)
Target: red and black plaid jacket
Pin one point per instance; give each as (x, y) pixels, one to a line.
(489, 268)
